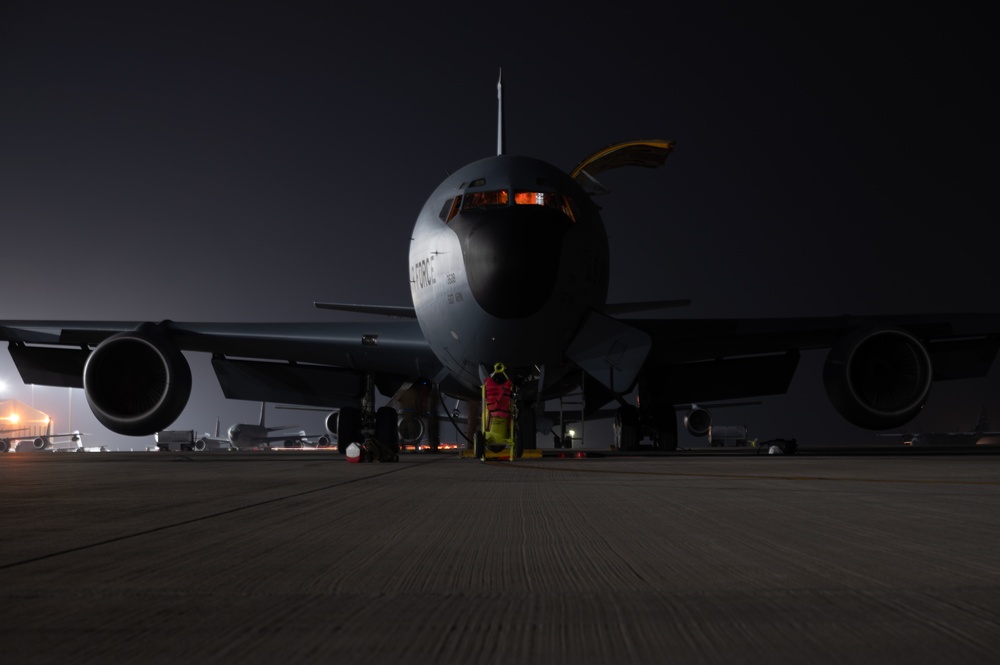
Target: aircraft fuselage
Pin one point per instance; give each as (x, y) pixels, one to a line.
(247, 435)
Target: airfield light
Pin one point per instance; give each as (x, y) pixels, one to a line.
(14, 418)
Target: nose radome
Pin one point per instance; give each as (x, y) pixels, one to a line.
(512, 257)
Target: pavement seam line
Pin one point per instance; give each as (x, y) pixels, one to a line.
(685, 474)
(203, 518)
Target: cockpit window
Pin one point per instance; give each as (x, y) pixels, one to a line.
(497, 197)
(501, 197)
(547, 200)
(450, 209)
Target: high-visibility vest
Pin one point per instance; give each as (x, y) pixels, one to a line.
(498, 397)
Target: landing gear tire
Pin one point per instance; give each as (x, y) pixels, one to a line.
(524, 431)
(666, 434)
(627, 428)
(479, 445)
(386, 432)
(348, 428)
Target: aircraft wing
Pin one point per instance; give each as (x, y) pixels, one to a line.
(294, 436)
(214, 439)
(704, 360)
(319, 364)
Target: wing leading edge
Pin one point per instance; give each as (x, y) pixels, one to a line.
(321, 364)
(878, 369)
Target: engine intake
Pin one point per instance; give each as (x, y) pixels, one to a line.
(39, 443)
(878, 379)
(137, 382)
(698, 421)
(411, 428)
(331, 422)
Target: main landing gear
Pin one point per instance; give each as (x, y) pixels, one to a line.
(631, 426)
(372, 432)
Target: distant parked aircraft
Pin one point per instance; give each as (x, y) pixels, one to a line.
(6, 438)
(48, 442)
(247, 435)
(948, 438)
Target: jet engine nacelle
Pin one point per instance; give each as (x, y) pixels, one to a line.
(331, 422)
(39, 443)
(698, 421)
(137, 382)
(878, 379)
(324, 441)
(200, 445)
(410, 428)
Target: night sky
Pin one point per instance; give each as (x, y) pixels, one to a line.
(237, 161)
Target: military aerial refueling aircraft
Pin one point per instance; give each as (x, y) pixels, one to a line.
(6, 438)
(243, 436)
(509, 262)
(44, 442)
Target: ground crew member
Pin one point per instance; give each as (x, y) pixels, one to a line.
(498, 392)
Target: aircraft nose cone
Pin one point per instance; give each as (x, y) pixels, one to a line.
(512, 257)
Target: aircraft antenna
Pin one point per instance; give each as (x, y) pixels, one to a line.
(501, 134)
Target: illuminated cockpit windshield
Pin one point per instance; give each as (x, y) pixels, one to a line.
(545, 199)
(501, 198)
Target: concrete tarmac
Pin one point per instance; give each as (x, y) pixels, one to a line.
(301, 557)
